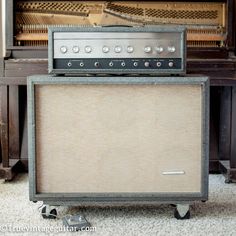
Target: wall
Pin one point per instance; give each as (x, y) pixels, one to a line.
(2, 28)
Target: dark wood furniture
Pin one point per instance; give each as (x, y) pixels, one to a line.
(228, 132)
(219, 63)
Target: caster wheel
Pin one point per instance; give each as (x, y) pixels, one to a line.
(52, 214)
(228, 181)
(179, 217)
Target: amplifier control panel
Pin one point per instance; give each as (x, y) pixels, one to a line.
(117, 50)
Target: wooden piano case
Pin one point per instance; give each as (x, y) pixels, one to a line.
(210, 51)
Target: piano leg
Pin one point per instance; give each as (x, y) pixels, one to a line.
(228, 167)
(8, 126)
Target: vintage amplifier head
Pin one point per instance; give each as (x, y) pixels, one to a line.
(117, 50)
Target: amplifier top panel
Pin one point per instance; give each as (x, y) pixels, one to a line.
(156, 50)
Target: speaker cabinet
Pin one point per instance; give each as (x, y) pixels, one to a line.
(118, 139)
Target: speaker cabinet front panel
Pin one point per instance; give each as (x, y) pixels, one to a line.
(117, 136)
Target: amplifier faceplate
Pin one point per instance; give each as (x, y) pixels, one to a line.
(154, 50)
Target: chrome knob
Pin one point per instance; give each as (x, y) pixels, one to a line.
(111, 64)
(81, 64)
(171, 64)
(159, 49)
(69, 64)
(130, 49)
(123, 64)
(171, 49)
(135, 64)
(105, 49)
(75, 49)
(63, 49)
(118, 49)
(146, 64)
(147, 49)
(88, 49)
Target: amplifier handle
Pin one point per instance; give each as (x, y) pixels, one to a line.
(117, 26)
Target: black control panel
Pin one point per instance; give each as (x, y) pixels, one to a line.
(88, 65)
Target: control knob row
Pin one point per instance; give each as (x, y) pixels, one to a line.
(88, 49)
(160, 49)
(118, 49)
(75, 49)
